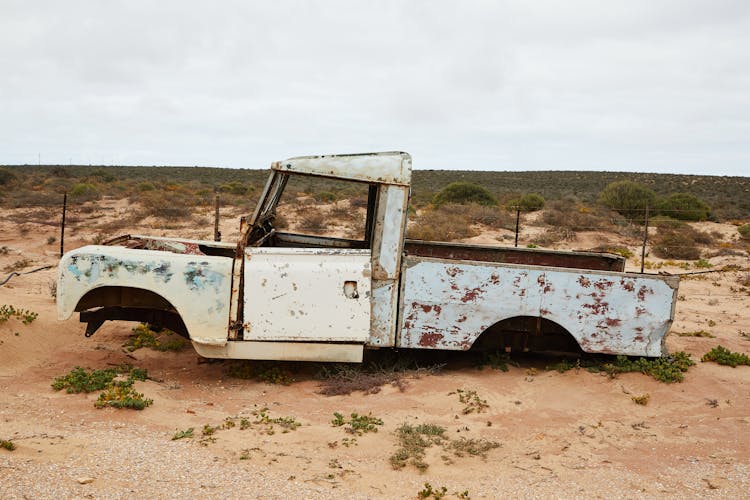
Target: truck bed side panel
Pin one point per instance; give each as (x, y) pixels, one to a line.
(447, 305)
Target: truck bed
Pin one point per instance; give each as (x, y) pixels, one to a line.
(509, 255)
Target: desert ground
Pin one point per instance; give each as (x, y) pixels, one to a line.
(558, 434)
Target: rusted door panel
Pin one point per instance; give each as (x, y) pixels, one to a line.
(304, 294)
(447, 305)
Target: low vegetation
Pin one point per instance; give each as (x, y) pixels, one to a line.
(369, 378)
(724, 356)
(265, 371)
(7, 444)
(414, 440)
(668, 369)
(116, 393)
(357, 424)
(158, 339)
(24, 315)
(471, 401)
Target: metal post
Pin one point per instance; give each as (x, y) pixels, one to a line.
(217, 233)
(518, 217)
(62, 224)
(645, 238)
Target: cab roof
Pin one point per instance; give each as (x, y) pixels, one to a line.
(392, 167)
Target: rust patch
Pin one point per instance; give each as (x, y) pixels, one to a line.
(613, 322)
(584, 281)
(472, 295)
(627, 285)
(426, 307)
(494, 279)
(453, 271)
(598, 307)
(430, 339)
(642, 291)
(603, 285)
(544, 312)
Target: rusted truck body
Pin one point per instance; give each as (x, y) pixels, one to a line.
(290, 296)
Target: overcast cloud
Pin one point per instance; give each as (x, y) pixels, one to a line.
(658, 86)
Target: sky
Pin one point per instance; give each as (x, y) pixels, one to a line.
(646, 86)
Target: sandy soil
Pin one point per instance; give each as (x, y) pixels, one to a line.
(570, 434)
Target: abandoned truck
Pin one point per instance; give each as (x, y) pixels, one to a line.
(286, 296)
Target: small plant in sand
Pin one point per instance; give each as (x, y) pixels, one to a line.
(156, 339)
(286, 423)
(643, 399)
(430, 491)
(187, 433)
(724, 356)
(697, 333)
(268, 372)
(122, 394)
(8, 311)
(357, 424)
(473, 403)
(7, 444)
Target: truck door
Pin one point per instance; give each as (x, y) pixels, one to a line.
(307, 294)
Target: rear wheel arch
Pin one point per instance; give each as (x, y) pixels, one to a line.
(527, 333)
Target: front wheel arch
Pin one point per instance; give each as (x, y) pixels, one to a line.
(117, 303)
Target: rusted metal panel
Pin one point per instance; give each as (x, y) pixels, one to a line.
(296, 294)
(197, 286)
(447, 305)
(524, 256)
(387, 249)
(385, 168)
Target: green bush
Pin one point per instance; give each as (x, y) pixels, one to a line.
(744, 231)
(463, 193)
(628, 198)
(530, 202)
(684, 206)
(84, 192)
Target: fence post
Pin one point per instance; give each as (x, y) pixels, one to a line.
(645, 238)
(217, 233)
(518, 217)
(62, 224)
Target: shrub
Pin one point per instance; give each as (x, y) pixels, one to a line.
(567, 213)
(530, 202)
(7, 444)
(84, 192)
(684, 206)
(628, 198)
(744, 231)
(463, 193)
(235, 188)
(441, 224)
(166, 205)
(6, 177)
(146, 186)
(676, 245)
(326, 197)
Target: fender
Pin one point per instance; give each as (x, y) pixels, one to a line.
(198, 286)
